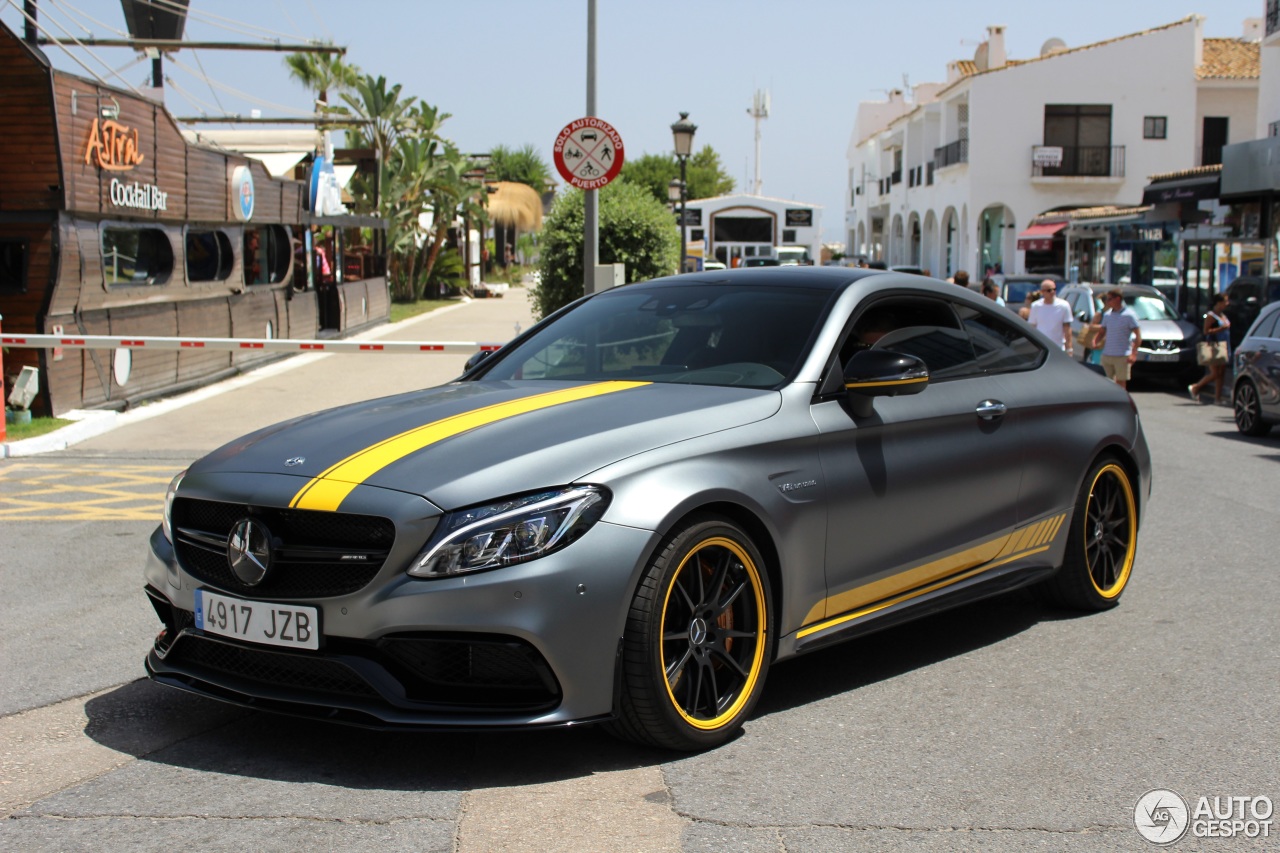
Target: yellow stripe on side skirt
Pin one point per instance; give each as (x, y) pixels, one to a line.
(327, 491)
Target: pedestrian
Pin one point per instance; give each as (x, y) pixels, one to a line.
(991, 290)
(1119, 337)
(961, 278)
(1217, 336)
(1052, 316)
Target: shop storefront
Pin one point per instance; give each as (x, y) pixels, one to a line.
(736, 228)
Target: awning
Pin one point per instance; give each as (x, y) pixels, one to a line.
(280, 164)
(1192, 188)
(1039, 238)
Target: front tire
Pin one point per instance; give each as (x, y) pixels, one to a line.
(1102, 542)
(698, 639)
(1248, 411)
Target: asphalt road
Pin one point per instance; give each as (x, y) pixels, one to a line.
(1000, 726)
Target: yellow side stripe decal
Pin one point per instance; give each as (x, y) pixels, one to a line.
(1032, 540)
(884, 382)
(327, 491)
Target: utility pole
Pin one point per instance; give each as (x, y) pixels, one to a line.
(590, 208)
(759, 110)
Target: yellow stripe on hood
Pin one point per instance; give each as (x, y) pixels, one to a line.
(327, 491)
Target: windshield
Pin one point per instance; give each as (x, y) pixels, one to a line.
(1015, 292)
(1146, 307)
(691, 333)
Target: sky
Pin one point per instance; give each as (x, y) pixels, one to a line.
(514, 72)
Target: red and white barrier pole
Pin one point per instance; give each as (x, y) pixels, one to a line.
(285, 345)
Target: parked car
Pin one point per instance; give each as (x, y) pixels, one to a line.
(1168, 347)
(629, 512)
(1255, 393)
(1016, 288)
(707, 266)
(1247, 295)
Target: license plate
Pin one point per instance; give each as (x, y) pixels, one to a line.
(292, 626)
(1159, 356)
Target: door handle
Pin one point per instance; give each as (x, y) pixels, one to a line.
(991, 409)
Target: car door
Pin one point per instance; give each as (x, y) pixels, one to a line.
(1260, 360)
(927, 485)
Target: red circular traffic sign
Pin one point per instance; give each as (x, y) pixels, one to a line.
(588, 153)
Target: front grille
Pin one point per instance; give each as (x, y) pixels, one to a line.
(469, 670)
(270, 668)
(448, 673)
(314, 554)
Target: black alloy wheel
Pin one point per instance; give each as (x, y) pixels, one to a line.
(1102, 542)
(1248, 410)
(698, 640)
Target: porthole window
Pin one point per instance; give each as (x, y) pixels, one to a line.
(136, 257)
(209, 256)
(267, 254)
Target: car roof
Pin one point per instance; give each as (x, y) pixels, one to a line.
(823, 278)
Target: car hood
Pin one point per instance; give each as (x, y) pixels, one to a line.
(1166, 330)
(470, 442)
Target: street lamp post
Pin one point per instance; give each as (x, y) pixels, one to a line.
(683, 131)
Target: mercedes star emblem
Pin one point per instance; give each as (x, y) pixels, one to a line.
(249, 551)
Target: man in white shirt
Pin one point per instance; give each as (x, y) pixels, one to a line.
(1052, 316)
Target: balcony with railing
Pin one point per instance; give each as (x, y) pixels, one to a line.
(1077, 161)
(951, 154)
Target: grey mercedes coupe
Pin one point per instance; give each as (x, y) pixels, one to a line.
(629, 512)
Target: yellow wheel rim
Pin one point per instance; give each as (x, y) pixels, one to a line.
(713, 633)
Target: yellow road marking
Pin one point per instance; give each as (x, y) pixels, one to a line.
(48, 491)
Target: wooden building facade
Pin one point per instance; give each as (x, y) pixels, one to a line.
(111, 223)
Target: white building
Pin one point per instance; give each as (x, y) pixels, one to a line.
(741, 226)
(950, 178)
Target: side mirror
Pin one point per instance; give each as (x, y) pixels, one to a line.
(476, 359)
(880, 373)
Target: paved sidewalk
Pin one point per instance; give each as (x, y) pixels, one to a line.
(204, 419)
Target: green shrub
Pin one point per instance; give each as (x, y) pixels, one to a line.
(635, 229)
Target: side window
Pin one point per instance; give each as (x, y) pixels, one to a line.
(1267, 325)
(267, 254)
(136, 256)
(925, 328)
(1000, 346)
(209, 256)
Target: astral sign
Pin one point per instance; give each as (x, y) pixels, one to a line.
(113, 146)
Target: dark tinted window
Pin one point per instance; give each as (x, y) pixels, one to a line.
(1266, 327)
(925, 328)
(209, 256)
(703, 335)
(267, 254)
(13, 266)
(136, 256)
(999, 344)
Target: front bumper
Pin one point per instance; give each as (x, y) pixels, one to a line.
(523, 646)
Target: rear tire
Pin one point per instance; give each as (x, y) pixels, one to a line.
(698, 639)
(1102, 542)
(1248, 410)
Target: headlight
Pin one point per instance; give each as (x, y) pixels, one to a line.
(166, 523)
(509, 532)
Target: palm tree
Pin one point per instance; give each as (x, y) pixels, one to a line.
(321, 72)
